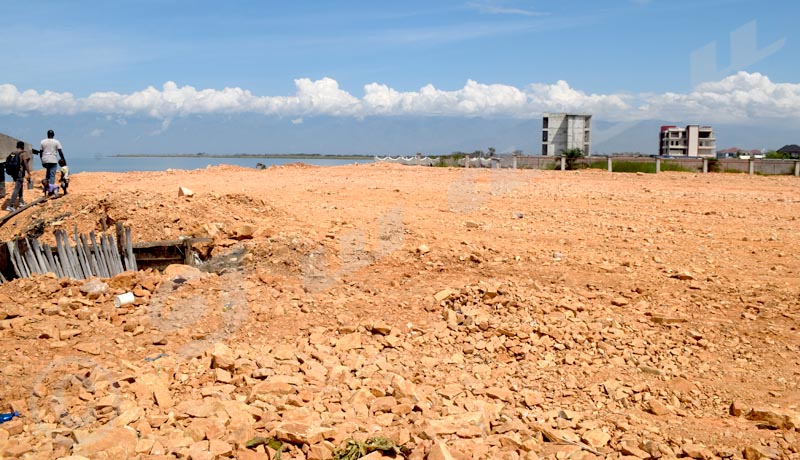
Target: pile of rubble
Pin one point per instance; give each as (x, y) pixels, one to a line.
(315, 326)
(507, 372)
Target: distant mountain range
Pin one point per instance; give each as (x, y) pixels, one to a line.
(87, 135)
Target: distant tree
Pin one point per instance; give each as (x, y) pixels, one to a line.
(572, 156)
(478, 153)
(518, 152)
(773, 155)
(491, 151)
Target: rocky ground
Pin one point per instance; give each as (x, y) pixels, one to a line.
(462, 314)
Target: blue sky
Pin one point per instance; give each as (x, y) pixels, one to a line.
(136, 70)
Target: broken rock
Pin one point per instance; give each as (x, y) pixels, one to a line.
(114, 442)
(656, 407)
(222, 357)
(440, 452)
(301, 433)
(596, 438)
(94, 288)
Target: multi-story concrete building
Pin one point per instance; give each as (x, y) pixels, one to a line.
(691, 141)
(566, 131)
(8, 144)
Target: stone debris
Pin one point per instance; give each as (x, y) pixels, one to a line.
(475, 349)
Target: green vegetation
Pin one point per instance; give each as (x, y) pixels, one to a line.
(572, 156)
(773, 155)
(648, 167)
(446, 161)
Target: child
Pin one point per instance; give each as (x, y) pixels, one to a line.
(49, 189)
(64, 180)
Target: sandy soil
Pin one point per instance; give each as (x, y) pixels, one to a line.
(490, 312)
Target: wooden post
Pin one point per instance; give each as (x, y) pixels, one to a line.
(82, 260)
(514, 162)
(24, 262)
(48, 252)
(30, 257)
(658, 165)
(112, 246)
(105, 246)
(73, 256)
(66, 265)
(188, 258)
(129, 248)
(92, 261)
(797, 168)
(98, 256)
(39, 256)
(121, 245)
(609, 164)
(12, 254)
(751, 167)
(705, 165)
(563, 163)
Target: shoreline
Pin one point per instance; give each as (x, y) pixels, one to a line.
(287, 156)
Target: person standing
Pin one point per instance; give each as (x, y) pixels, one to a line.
(51, 152)
(18, 168)
(3, 156)
(27, 157)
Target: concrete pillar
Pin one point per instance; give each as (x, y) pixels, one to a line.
(563, 163)
(466, 161)
(751, 167)
(514, 162)
(609, 166)
(658, 165)
(797, 168)
(705, 165)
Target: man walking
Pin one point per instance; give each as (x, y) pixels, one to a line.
(3, 156)
(17, 168)
(50, 153)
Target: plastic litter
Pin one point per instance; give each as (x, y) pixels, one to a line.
(155, 358)
(6, 417)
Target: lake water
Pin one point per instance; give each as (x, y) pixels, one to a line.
(123, 164)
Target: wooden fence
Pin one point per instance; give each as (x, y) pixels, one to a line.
(100, 255)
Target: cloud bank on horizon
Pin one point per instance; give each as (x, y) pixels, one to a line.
(738, 98)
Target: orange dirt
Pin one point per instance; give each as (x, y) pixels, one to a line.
(591, 296)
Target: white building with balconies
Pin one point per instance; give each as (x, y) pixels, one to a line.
(691, 141)
(566, 131)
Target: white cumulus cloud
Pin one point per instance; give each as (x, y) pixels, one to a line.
(740, 97)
